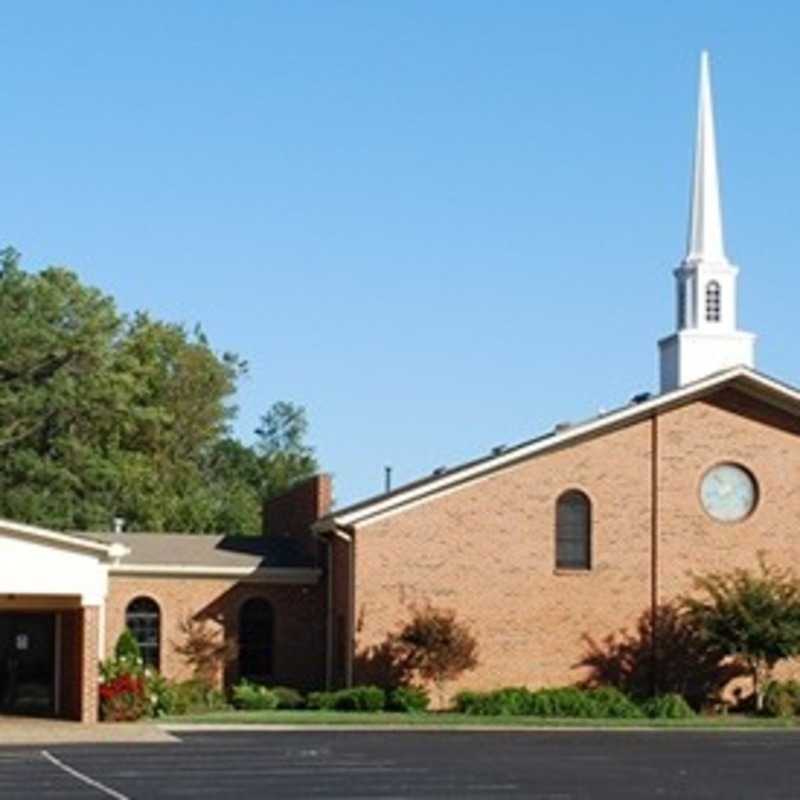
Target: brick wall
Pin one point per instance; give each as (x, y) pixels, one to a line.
(299, 632)
(487, 549)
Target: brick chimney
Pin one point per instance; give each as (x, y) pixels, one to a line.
(292, 513)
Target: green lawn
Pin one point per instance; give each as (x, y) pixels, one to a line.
(730, 722)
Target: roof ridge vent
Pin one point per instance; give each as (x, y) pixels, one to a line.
(560, 427)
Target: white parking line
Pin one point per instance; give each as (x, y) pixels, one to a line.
(85, 778)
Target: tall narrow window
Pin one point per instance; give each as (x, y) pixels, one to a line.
(712, 302)
(256, 622)
(573, 531)
(143, 619)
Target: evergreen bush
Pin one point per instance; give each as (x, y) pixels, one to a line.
(569, 701)
(249, 696)
(408, 698)
(667, 706)
(359, 698)
(782, 699)
(288, 698)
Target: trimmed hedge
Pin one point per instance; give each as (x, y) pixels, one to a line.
(782, 699)
(288, 698)
(249, 696)
(667, 706)
(603, 703)
(359, 698)
(407, 698)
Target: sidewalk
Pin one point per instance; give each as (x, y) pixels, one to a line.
(27, 731)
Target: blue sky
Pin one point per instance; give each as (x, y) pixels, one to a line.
(440, 226)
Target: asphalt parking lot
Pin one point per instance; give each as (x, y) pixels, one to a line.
(414, 764)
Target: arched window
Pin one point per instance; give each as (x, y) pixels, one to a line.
(255, 639)
(713, 302)
(143, 619)
(573, 531)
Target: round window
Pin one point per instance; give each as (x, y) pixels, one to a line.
(728, 492)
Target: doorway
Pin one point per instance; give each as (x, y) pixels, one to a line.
(27, 663)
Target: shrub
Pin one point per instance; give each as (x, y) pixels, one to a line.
(122, 699)
(193, 697)
(602, 703)
(324, 701)
(667, 706)
(203, 648)
(159, 693)
(408, 698)
(288, 697)
(127, 648)
(359, 698)
(753, 616)
(253, 697)
(782, 699)
(436, 647)
(123, 695)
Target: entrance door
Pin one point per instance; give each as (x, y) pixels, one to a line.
(27, 663)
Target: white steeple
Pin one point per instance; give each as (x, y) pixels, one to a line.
(707, 339)
(705, 217)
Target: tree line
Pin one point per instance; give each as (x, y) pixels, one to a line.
(106, 415)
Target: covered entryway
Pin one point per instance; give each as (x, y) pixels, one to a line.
(52, 595)
(28, 663)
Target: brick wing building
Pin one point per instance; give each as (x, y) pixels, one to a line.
(575, 534)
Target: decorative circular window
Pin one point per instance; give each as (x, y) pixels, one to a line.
(729, 493)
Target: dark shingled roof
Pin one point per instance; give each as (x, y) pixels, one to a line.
(200, 550)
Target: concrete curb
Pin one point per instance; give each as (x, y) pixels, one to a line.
(239, 727)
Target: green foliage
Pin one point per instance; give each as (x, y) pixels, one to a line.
(159, 693)
(567, 702)
(753, 616)
(285, 458)
(102, 415)
(667, 706)
(192, 697)
(435, 646)
(408, 698)
(288, 698)
(359, 698)
(127, 648)
(322, 701)
(782, 699)
(249, 696)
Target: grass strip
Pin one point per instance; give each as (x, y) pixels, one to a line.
(422, 720)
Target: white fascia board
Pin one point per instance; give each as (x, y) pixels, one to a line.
(297, 575)
(53, 537)
(382, 508)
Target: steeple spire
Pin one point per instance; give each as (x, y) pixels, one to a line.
(707, 338)
(705, 219)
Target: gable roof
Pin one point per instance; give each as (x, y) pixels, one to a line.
(373, 508)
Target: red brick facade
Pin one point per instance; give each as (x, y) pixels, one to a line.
(299, 622)
(487, 549)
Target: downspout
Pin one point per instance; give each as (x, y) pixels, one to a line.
(654, 564)
(329, 617)
(351, 616)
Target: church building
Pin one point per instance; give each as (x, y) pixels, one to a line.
(574, 534)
